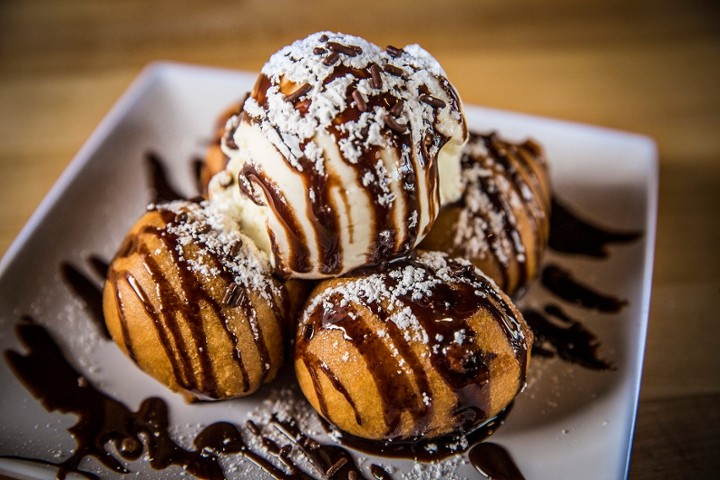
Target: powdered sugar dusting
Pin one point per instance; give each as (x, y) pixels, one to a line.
(217, 241)
(330, 95)
(400, 287)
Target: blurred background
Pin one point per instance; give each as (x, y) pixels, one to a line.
(650, 67)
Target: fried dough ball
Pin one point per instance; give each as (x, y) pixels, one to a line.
(501, 223)
(424, 348)
(215, 159)
(194, 304)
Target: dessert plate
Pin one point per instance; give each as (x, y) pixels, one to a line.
(571, 420)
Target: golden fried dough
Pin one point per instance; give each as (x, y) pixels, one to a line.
(501, 223)
(425, 347)
(215, 159)
(194, 304)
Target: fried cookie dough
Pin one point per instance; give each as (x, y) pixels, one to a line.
(215, 159)
(194, 304)
(425, 347)
(501, 223)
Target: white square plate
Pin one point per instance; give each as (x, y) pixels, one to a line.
(570, 423)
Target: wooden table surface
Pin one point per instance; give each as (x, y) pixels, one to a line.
(651, 67)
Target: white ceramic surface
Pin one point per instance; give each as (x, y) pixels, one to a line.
(569, 423)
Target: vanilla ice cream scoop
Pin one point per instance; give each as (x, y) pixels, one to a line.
(343, 154)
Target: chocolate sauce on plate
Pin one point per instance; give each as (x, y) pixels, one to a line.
(162, 188)
(556, 333)
(569, 233)
(422, 449)
(494, 461)
(89, 292)
(99, 265)
(197, 168)
(103, 420)
(569, 339)
(563, 285)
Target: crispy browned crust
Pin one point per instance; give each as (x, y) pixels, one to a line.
(177, 326)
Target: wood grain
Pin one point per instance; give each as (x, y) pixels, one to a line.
(677, 438)
(651, 67)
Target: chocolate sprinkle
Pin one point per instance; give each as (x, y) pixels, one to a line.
(393, 70)
(319, 50)
(432, 101)
(308, 331)
(394, 125)
(235, 248)
(376, 79)
(359, 100)
(202, 228)
(305, 88)
(350, 51)
(336, 467)
(252, 427)
(332, 58)
(394, 52)
(181, 217)
(233, 295)
(397, 109)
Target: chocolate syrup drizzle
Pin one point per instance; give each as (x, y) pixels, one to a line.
(102, 419)
(556, 333)
(562, 284)
(569, 338)
(197, 170)
(424, 449)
